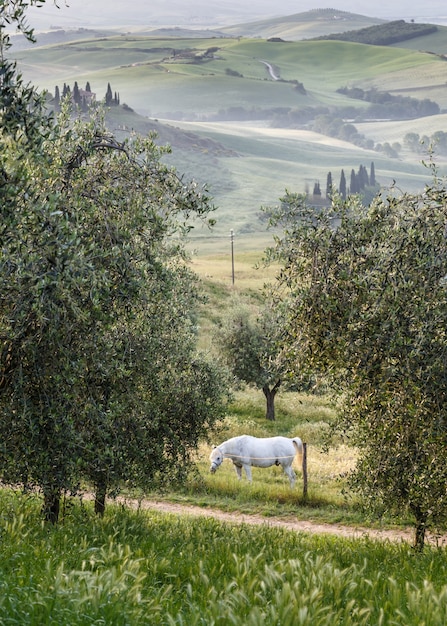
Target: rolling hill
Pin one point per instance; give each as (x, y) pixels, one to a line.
(306, 25)
(239, 112)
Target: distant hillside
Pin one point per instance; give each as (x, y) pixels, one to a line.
(194, 155)
(384, 34)
(122, 120)
(307, 25)
(57, 36)
(241, 121)
(181, 33)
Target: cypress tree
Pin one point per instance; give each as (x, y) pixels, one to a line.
(329, 185)
(57, 98)
(372, 175)
(363, 177)
(342, 187)
(76, 94)
(109, 95)
(354, 184)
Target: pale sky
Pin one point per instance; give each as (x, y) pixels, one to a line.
(212, 13)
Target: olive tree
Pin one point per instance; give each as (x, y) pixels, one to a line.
(367, 296)
(247, 340)
(99, 375)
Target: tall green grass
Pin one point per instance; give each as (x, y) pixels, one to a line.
(135, 568)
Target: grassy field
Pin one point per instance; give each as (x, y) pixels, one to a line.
(298, 414)
(133, 568)
(144, 567)
(155, 80)
(308, 416)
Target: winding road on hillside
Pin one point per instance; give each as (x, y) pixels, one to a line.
(271, 70)
(354, 532)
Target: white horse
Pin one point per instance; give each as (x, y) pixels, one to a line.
(246, 451)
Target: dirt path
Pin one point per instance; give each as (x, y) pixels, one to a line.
(288, 524)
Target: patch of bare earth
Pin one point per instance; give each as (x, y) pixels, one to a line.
(355, 532)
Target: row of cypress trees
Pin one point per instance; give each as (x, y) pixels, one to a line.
(83, 97)
(358, 182)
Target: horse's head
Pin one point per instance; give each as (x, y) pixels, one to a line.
(216, 458)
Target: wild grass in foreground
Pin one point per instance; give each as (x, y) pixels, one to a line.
(137, 568)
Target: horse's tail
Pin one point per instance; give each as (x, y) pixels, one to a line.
(299, 448)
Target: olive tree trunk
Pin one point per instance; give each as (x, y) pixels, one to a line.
(51, 504)
(100, 498)
(270, 399)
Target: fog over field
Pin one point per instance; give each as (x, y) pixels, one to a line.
(213, 13)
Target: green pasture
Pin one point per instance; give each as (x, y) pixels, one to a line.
(144, 70)
(298, 414)
(136, 567)
(306, 415)
(249, 272)
(396, 130)
(215, 272)
(332, 60)
(420, 81)
(435, 42)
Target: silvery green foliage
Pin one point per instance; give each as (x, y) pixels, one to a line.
(366, 291)
(99, 376)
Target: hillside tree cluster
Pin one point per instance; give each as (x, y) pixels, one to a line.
(83, 99)
(384, 34)
(360, 182)
(384, 105)
(421, 144)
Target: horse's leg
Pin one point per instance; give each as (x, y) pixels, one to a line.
(290, 473)
(247, 469)
(238, 469)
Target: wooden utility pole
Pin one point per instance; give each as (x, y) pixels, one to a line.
(304, 470)
(232, 255)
